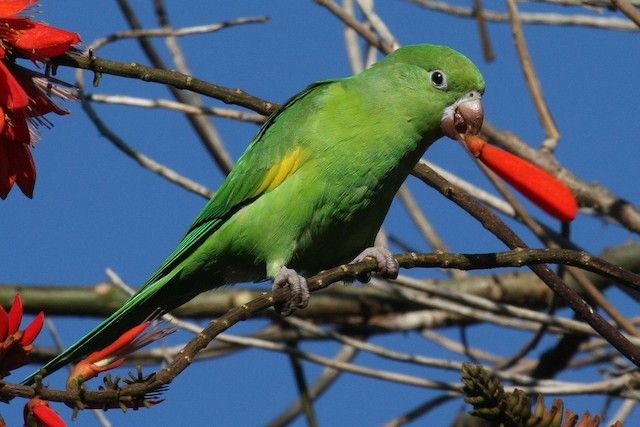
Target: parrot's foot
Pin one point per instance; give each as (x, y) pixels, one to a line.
(387, 264)
(299, 290)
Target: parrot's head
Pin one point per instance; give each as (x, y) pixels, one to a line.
(450, 85)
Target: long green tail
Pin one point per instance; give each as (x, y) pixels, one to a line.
(136, 310)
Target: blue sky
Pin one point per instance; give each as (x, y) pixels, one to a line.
(94, 208)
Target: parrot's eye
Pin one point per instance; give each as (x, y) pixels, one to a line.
(439, 79)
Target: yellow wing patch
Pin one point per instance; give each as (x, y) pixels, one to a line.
(281, 171)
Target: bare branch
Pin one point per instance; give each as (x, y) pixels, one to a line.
(531, 18)
(352, 22)
(143, 160)
(487, 50)
(491, 222)
(175, 106)
(328, 377)
(175, 32)
(172, 78)
(423, 224)
(548, 123)
(628, 9)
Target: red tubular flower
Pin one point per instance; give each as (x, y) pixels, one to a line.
(16, 345)
(43, 414)
(114, 354)
(23, 98)
(12, 95)
(12, 7)
(536, 184)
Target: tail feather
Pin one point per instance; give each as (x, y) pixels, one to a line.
(138, 308)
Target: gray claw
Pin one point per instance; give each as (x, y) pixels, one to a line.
(299, 290)
(387, 264)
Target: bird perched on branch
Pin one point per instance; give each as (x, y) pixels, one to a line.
(314, 186)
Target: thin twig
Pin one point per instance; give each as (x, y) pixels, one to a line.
(401, 356)
(143, 160)
(172, 78)
(535, 88)
(420, 410)
(378, 24)
(201, 124)
(477, 192)
(588, 4)
(371, 37)
(326, 378)
(423, 224)
(303, 390)
(134, 101)
(623, 412)
(487, 50)
(597, 296)
(354, 53)
(456, 347)
(628, 9)
(175, 32)
(480, 308)
(420, 220)
(546, 238)
(531, 18)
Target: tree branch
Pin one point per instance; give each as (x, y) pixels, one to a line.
(240, 313)
(492, 223)
(173, 78)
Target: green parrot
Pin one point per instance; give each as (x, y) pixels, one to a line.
(314, 186)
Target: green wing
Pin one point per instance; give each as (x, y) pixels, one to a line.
(273, 143)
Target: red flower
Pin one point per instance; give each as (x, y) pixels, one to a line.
(16, 345)
(536, 184)
(23, 97)
(114, 354)
(44, 415)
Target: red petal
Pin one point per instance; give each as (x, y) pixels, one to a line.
(39, 103)
(37, 40)
(12, 95)
(15, 314)
(6, 179)
(47, 416)
(536, 184)
(15, 139)
(24, 169)
(3, 120)
(13, 7)
(17, 129)
(4, 324)
(32, 331)
(118, 344)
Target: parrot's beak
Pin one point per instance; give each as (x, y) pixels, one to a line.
(464, 117)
